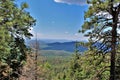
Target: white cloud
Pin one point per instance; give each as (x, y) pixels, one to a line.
(77, 2)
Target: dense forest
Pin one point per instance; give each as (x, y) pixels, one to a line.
(97, 59)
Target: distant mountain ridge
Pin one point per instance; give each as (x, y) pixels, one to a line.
(66, 46)
(54, 40)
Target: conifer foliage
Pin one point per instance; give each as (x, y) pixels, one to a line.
(15, 24)
(102, 20)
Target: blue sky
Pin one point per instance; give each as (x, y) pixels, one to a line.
(57, 19)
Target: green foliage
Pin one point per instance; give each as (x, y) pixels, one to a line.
(4, 43)
(98, 22)
(47, 65)
(75, 68)
(15, 26)
(101, 26)
(54, 53)
(52, 67)
(117, 69)
(88, 66)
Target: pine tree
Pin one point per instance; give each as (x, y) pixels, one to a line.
(15, 24)
(87, 66)
(101, 24)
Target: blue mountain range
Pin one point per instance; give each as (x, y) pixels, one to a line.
(66, 46)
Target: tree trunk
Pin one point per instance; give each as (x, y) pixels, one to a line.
(113, 45)
(113, 53)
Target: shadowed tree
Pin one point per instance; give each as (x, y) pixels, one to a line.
(102, 20)
(15, 24)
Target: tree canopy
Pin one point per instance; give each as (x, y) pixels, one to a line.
(15, 25)
(102, 22)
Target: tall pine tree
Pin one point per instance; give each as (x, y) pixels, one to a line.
(101, 25)
(15, 24)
